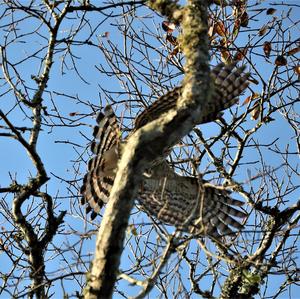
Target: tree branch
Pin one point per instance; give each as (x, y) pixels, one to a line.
(147, 144)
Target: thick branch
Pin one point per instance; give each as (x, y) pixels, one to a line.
(147, 144)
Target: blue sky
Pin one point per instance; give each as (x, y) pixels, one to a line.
(59, 156)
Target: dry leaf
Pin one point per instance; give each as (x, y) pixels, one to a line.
(73, 113)
(247, 100)
(211, 25)
(267, 49)
(168, 26)
(268, 119)
(225, 56)
(172, 40)
(132, 229)
(244, 19)
(250, 98)
(240, 54)
(220, 28)
(175, 51)
(262, 31)
(256, 111)
(236, 27)
(280, 60)
(270, 11)
(297, 69)
(255, 95)
(293, 51)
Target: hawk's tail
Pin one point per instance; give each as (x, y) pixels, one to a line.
(191, 204)
(219, 212)
(98, 181)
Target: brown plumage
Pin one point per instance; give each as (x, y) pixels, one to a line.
(229, 83)
(99, 179)
(188, 203)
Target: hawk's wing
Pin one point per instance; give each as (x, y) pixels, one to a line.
(189, 203)
(99, 179)
(229, 82)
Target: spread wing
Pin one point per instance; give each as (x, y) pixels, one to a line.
(99, 179)
(189, 203)
(182, 201)
(229, 82)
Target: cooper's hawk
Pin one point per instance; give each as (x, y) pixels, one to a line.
(188, 203)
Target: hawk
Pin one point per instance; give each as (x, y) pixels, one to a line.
(189, 203)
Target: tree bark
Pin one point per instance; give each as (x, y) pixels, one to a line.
(147, 144)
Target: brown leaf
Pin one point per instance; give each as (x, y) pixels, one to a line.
(280, 60)
(175, 51)
(236, 27)
(210, 20)
(240, 54)
(168, 26)
(270, 11)
(225, 56)
(220, 28)
(262, 31)
(172, 40)
(247, 100)
(297, 69)
(132, 229)
(224, 43)
(268, 119)
(244, 19)
(267, 48)
(293, 51)
(73, 113)
(255, 95)
(250, 98)
(256, 111)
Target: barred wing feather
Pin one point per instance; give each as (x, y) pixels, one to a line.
(98, 181)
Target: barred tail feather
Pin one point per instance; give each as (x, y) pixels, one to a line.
(190, 204)
(219, 209)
